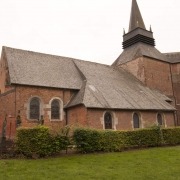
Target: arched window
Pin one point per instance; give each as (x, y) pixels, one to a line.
(107, 121)
(136, 121)
(55, 109)
(34, 108)
(159, 119)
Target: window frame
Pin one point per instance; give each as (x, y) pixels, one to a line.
(54, 115)
(61, 113)
(139, 120)
(105, 114)
(162, 119)
(29, 108)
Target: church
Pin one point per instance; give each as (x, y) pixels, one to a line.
(139, 90)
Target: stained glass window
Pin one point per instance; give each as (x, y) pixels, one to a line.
(34, 108)
(136, 121)
(159, 119)
(55, 109)
(108, 120)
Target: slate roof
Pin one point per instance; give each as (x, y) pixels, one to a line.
(112, 88)
(173, 57)
(37, 69)
(139, 50)
(100, 86)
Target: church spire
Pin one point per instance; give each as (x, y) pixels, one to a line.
(137, 30)
(136, 19)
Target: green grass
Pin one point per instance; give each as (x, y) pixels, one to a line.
(155, 163)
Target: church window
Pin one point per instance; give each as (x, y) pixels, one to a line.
(136, 121)
(108, 120)
(159, 119)
(34, 108)
(55, 109)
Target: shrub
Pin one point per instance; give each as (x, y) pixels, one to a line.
(87, 140)
(59, 143)
(171, 136)
(90, 140)
(39, 142)
(142, 138)
(34, 141)
(112, 141)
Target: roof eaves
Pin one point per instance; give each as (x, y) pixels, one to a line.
(133, 109)
(53, 87)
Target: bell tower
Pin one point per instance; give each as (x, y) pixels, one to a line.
(137, 30)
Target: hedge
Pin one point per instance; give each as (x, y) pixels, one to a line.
(90, 140)
(39, 142)
(171, 136)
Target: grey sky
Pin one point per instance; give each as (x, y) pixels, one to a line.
(85, 29)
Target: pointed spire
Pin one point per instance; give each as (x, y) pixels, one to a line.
(150, 29)
(124, 31)
(136, 19)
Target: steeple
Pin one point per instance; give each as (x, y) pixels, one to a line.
(137, 30)
(136, 19)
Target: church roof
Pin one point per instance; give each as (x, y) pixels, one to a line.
(108, 87)
(37, 69)
(139, 50)
(173, 57)
(98, 85)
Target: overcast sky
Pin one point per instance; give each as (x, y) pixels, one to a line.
(85, 29)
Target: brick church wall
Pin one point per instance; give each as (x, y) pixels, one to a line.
(7, 109)
(24, 93)
(15, 101)
(158, 75)
(153, 73)
(77, 116)
(3, 73)
(122, 119)
(175, 70)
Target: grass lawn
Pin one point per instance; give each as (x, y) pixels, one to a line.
(155, 163)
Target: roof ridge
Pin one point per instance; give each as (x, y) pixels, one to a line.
(58, 56)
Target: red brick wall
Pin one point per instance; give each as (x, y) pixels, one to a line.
(95, 118)
(24, 93)
(77, 116)
(18, 100)
(3, 73)
(7, 109)
(123, 119)
(153, 73)
(158, 75)
(175, 70)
